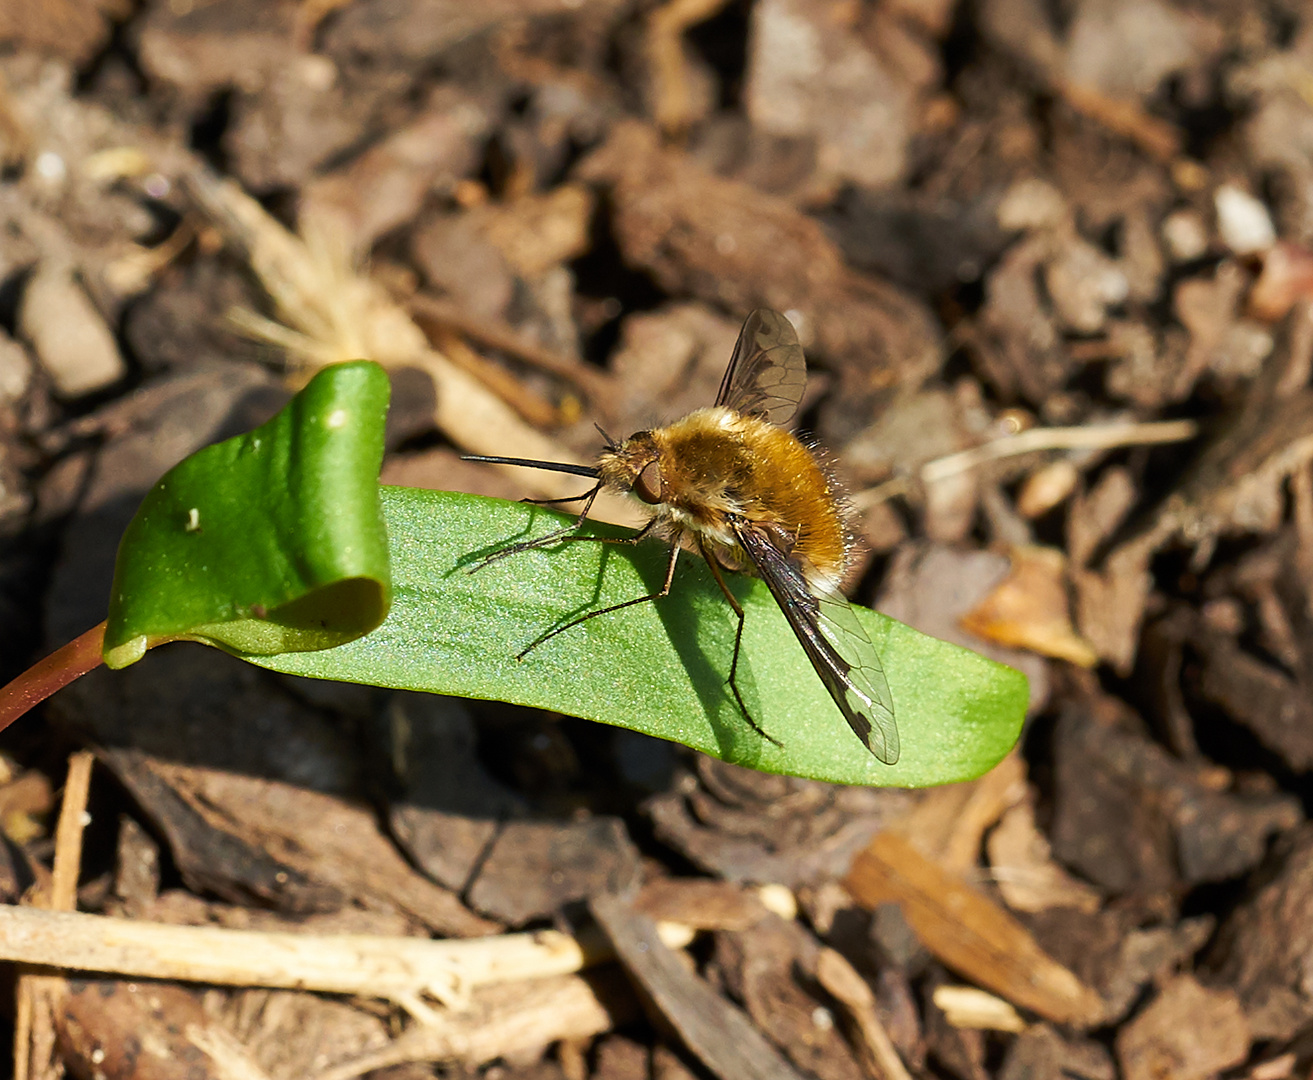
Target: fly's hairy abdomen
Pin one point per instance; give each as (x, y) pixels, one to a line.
(718, 463)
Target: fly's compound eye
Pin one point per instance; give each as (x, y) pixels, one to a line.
(647, 485)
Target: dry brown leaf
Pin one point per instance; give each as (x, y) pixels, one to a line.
(948, 823)
(969, 932)
(1029, 610)
(1023, 868)
(1188, 1032)
(536, 232)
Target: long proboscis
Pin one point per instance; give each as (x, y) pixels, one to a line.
(529, 463)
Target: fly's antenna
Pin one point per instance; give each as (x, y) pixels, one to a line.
(611, 444)
(547, 466)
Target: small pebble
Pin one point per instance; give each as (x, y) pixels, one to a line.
(1243, 221)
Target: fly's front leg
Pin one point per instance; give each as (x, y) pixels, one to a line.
(738, 644)
(557, 502)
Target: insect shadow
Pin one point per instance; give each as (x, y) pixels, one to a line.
(477, 559)
(480, 558)
(692, 613)
(682, 618)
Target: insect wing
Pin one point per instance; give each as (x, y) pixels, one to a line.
(839, 625)
(834, 642)
(768, 372)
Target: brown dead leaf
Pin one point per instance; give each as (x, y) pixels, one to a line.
(1028, 609)
(1188, 1032)
(1022, 866)
(969, 932)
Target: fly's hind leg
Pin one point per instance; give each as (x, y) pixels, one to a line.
(738, 643)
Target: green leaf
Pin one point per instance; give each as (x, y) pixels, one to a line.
(271, 542)
(658, 668)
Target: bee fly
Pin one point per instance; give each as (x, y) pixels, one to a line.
(731, 484)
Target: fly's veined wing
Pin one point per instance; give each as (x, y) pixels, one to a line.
(834, 642)
(768, 372)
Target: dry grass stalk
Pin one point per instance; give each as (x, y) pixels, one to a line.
(387, 967)
(502, 1021)
(327, 313)
(1087, 437)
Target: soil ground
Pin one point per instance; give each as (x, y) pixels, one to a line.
(1052, 264)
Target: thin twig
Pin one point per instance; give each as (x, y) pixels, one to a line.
(841, 980)
(532, 407)
(68, 833)
(592, 384)
(1159, 139)
(34, 1033)
(335, 963)
(1086, 437)
(865, 500)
